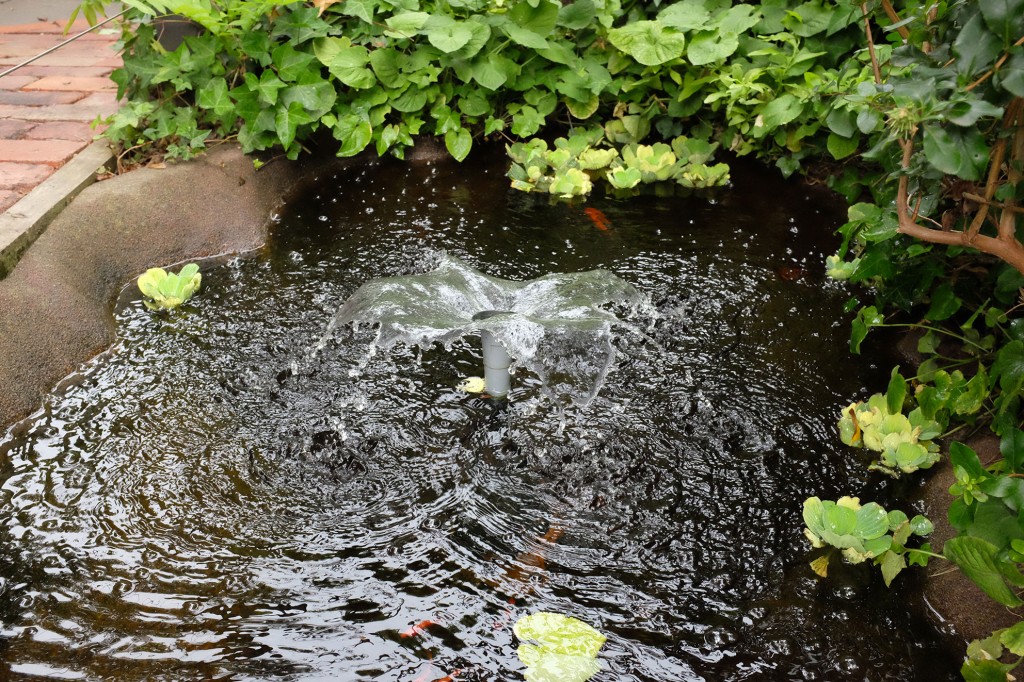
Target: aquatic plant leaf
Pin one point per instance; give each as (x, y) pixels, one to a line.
(164, 290)
(820, 565)
(568, 647)
(624, 178)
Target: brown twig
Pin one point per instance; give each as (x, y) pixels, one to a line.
(995, 67)
(871, 42)
(895, 18)
(1005, 245)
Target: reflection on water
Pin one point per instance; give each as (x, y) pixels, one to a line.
(211, 501)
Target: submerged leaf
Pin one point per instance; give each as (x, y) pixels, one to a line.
(568, 648)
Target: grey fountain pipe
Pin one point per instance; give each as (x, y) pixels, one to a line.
(496, 361)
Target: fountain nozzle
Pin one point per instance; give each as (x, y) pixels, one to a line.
(497, 379)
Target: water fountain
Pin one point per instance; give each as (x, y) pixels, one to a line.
(209, 501)
(553, 325)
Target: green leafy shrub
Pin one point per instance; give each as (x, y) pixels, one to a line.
(166, 290)
(376, 73)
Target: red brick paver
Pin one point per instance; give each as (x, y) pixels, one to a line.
(46, 107)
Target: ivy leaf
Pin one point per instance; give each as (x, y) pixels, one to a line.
(525, 37)
(955, 152)
(265, 87)
(354, 132)
(300, 24)
(316, 95)
(290, 63)
(648, 42)
(977, 559)
(214, 96)
(287, 120)
(347, 63)
(458, 142)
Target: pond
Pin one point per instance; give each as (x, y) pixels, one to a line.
(233, 493)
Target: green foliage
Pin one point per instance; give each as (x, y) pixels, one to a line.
(567, 650)
(165, 290)
(376, 73)
(864, 532)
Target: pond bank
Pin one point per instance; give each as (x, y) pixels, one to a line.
(55, 305)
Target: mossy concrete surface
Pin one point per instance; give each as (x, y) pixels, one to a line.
(55, 306)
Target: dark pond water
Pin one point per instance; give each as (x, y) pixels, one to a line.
(208, 501)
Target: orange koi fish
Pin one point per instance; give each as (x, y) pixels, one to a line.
(599, 219)
(417, 629)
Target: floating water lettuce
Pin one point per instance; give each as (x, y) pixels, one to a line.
(567, 651)
(839, 269)
(863, 532)
(578, 161)
(904, 441)
(165, 290)
(471, 385)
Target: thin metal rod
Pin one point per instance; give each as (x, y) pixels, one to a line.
(60, 45)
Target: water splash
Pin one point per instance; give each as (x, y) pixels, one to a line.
(553, 325)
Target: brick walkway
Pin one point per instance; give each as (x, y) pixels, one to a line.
(46, 107)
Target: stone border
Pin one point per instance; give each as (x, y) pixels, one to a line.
(22, 223)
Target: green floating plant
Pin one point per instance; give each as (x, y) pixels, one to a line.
(864, 532)
(578, 162)
(165, 290)
(903, 441)
(567, 651)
